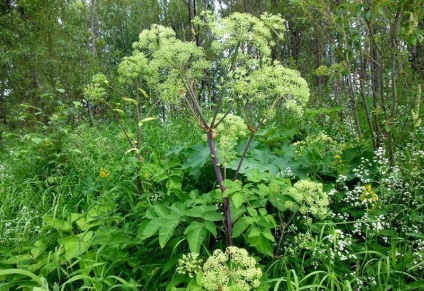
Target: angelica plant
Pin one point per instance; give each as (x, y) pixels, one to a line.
(238, 71)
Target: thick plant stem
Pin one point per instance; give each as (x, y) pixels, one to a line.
(227, 212)
(243, 156)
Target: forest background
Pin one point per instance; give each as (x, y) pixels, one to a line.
(107, 182)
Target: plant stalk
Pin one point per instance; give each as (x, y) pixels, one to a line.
(227, 212)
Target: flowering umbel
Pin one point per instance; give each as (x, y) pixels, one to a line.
(233, 269)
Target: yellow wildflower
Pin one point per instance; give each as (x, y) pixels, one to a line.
(103, 173)
(368, 195)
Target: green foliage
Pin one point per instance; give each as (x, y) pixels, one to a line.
(94, 206)
(197, 213)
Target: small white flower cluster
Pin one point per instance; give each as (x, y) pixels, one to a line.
(362, 283)
(336, 246)
(391, 182)
(340, 216)
(23, 226)
(418, 254)
(364, 225)
(353, 196)
(332, 192)
(286, 173)
(362, 172)
(341, 182)
(340, 242)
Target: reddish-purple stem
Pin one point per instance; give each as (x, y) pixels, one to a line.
(227, 223)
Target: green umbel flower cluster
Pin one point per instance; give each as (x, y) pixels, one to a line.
(309, 198)
(95, 91)
(190, 264)
(267, 85)
(163, 63)
(229, 133)
(233, 269)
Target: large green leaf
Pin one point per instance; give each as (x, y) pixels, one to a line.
(195, 211)
(167, 230)
(178, 209)
(232, 187)
(241, 225)
(237, 199)
(196, 234)
(259, 240)
(213, 216)
(152, 227)
(57, 223)
(76, 245)
(39, 248)
(161, 210)
(198, 155)
(211, 227)
(85, 224)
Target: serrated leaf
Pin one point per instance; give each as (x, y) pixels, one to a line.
(167, 230)
(213, 215)
(211, 227)
(196, 234)
(150, 213)
(262, 211)
(199, 155)
(161, 210)
(237, 213)
(177, 209)
(260, 243)
(278, 201)
(253, 231)
(268, 234)
(238, 199)
(263, 190)
(75, 216)
(241, 225)
(85, 224)
(252, 211)
(195, 211)
(368, 15)
(232, 187)
(152, 227)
